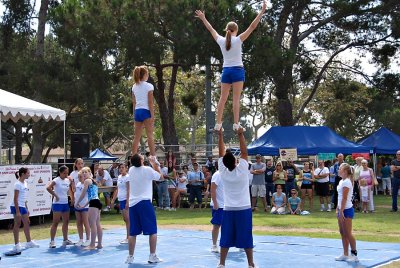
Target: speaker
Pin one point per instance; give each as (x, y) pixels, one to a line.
(80, 145)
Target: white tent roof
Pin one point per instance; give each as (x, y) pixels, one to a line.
(15, 107)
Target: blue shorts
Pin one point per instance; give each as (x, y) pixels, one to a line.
(81, 209)
(22, 210)
(236, 229)
(232, 74)
(142, 219)
(142, 114)
(122, 205)
(348, 213)
(60, 208)
(217, 216)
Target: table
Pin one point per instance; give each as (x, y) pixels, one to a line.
(107, 189)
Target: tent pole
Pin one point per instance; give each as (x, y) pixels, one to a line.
(1, 141)
(65, 149)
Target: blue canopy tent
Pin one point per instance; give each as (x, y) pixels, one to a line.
(307, 140)
(383, 141)
(99, 155)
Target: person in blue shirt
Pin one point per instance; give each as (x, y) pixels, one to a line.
(195, 180)
(386, 181)
(294, 203)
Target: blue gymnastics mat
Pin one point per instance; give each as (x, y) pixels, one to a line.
(192, 249)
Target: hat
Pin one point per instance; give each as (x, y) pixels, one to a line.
(258, 156)
(195, 163)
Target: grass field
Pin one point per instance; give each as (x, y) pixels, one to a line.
(381, 226)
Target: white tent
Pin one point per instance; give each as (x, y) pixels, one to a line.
(16, 108)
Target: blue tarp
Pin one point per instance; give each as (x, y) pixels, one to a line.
(100, 155)
(383, 140)
(307, 140)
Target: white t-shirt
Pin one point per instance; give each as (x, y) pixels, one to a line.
(322, 171)
(61, 187)
(216, 178)
(364, 191)
(182, 185)
(78, 191)
(164, 171)
(141, 93)
(107, 177)
(22, 193)
(141, 184)
(74, 176)
(236, 185)
(233, 56)
(345, 183)
(122, 187)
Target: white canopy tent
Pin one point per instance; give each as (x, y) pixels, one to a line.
(16, 108)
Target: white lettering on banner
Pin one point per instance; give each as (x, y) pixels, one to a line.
(39, 200)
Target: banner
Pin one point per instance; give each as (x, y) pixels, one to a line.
(364, 155)
(288, 154)
(39, 200)
(326, 156)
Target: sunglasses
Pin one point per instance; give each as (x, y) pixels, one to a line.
(293, 193)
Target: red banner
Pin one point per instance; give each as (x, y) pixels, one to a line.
(364, 155)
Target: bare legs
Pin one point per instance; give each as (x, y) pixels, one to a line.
(17, 223)
(345, 228)
(57, 216)
(215, 233)
(95, 228)
(249, 255)
(149, 125)
(82, 220)
(152, 242)
(309, 193)
(125, 215)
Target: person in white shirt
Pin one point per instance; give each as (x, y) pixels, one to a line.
(233, 73)
(345, 213)
(60, 188)
(81, 212)
(19, 208)
(122, 192)
(105, 179)
(217, 208)
(321, 174)
(143, 107)
(236, 228)
(78, 165)
(181, 188)
(142, 217)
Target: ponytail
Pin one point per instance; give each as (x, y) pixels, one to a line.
(139, 72)
(228, 38)
(21, 171)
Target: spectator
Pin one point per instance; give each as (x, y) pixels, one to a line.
(163, 194)
(321, 175)
(191, 164)
(269, 182)
(294, 203)
(365, 192)
(395, 168)
(114, 172)
(332, 179)
(280, 175)
(386, 181)
(340, 158)
(356, 188)
(180, 189)
(211, 164)
(195, 179)
(307, 178)
(367, 174)
(103, 178)
(291, 171)
(278, 201)
(171, 181)
(171, 161)
(207, 184)
(258, 183)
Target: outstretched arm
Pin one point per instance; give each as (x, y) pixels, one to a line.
(254, 24)
(242, 143)
(221, 144)
(201, 15)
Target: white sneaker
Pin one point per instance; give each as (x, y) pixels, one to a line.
(167, 209)
(218, 127)
(322, 209)
(329, 210)
(17, 248)
(52, 244)
(79, 243)
(106, 209)
(253, 266)
(215, 249)
(125, 241)
(173, 209)
(352, 258)
(129, 260)
(154, 259)
(86, 244)
(67, 243)
(31, 244)
(237, 126)
(221, 266)
(342, 258)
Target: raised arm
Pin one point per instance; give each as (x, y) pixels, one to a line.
(201, 15)
(254, 24)
(221, 144)
(242, 144)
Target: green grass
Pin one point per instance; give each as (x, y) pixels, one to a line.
(381, 226)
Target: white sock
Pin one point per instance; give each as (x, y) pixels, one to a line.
(329, 206)
(322, 205)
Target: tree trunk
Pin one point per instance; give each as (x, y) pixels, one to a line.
(18, 143)
(37, 139)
